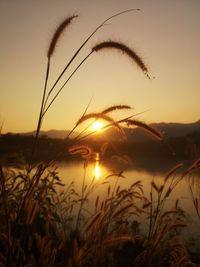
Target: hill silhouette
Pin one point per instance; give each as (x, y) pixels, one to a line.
(137, 134)
(181, 142)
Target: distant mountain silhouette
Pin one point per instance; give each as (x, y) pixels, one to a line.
(178, 129)
(168, 130)
(58, 134)
(183, 143)
(135, 134)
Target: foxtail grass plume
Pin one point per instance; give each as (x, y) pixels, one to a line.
(95, 116)
(58, 33)
(173, 170)
(122, 210)
(125, 50)
(115, 107)
(81, 150)
(144, 126)
(104, 117)
(53, 44)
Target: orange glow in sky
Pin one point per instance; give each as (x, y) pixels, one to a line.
(164, 33)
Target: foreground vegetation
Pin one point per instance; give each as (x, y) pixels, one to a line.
(46, 223)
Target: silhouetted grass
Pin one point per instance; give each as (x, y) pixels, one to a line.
(44, 222)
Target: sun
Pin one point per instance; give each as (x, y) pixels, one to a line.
(97, 126)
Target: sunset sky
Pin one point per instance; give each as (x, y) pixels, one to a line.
(166, 34)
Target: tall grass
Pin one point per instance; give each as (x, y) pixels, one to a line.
(46, 223)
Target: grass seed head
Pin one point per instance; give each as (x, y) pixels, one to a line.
(125, 50)
(58, 33)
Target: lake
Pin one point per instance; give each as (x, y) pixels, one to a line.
(102, 176)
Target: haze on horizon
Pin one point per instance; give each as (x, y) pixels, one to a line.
(164, 33)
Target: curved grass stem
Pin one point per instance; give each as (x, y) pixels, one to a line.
(41, 109)
(79, 49)
(59, 91)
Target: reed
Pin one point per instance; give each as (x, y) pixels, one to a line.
(162, 192)
(107, 229)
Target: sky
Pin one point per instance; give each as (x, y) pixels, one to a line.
(166, 34)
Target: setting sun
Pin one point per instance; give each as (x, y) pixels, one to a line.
(97, 126)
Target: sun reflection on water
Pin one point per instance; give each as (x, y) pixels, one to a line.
(97, 169)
